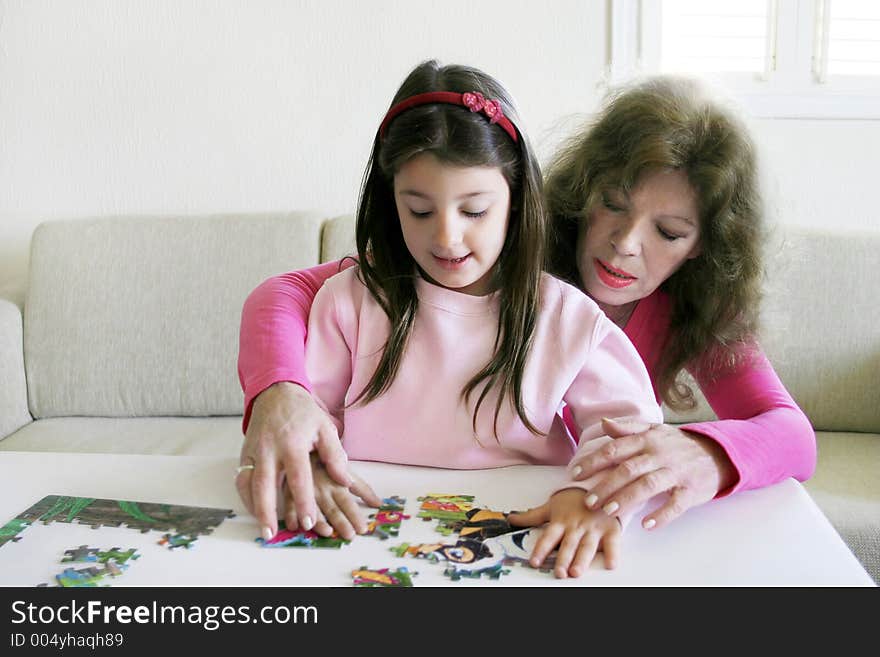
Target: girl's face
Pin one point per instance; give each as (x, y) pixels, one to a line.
(454, 221)
(634, 243)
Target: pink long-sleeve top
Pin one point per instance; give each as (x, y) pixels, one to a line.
(578, 357)
(763, 431)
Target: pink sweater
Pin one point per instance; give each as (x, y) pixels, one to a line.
(765, 434)
(578, 357)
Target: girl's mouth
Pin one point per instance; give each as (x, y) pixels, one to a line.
(452, 263)
(611, 276)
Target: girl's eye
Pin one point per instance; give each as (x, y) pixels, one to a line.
(670, 237)
(474, 215)
(420, 215)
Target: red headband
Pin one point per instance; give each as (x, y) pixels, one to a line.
(473, 100)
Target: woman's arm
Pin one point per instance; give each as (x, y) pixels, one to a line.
(764, 433)
(761, 437)
(274, 323)
(282, 422)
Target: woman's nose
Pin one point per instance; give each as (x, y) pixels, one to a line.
(626, 240)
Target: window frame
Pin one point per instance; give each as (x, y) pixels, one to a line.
(794, 84)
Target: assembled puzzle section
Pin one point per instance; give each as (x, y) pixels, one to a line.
(485, 540)
(182, 526)
(177, 520)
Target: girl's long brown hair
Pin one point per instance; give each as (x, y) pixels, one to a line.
(673, 122)
(459, 137)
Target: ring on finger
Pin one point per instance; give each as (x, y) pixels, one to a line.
(246, 466)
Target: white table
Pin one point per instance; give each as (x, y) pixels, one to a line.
(772, 537)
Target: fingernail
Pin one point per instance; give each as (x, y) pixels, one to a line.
(306, 523)
(650, 522)
(576, 471)
(611, 507)
(591, 500)
(267, 534)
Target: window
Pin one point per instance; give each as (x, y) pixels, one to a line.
(783, 58)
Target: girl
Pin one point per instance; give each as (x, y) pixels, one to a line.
(446, 345)
(656, 215)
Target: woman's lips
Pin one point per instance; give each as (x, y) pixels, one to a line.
(451, 264)
(611, 276)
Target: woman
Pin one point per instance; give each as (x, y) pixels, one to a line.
(655, 214)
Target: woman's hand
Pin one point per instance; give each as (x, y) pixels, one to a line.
(645, 460)
(578, 532)
(286, 425)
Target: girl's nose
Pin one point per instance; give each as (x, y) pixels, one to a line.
(448, 230)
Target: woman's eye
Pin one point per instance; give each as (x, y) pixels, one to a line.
(474, 215)
(671, 237)
(420, 215)
(611, 205)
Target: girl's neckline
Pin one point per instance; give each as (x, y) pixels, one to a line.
(454, 301)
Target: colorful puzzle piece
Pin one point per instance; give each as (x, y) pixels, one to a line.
(87, 577)
(119, 556)
(177, 540)
(449, 510)
(384, 577)
(386, 521)
(301, 538)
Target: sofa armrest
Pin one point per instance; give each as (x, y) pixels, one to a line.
(14, 412)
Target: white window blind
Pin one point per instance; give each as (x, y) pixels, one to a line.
(716, 36)
(850, 38)
(782, 58)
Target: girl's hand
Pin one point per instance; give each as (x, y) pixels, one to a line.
(645, 460)
(339, 510)
(578, 532)
(286, 425)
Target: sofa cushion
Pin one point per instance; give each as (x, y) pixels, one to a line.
(135, 316)
(183, 436)
(13, 391)
(337, 238)
(819, 328)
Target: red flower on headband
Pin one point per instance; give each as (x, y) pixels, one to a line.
(492, 109)
(473, 100)
(476, 102)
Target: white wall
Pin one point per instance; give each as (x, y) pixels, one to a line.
(192, 106)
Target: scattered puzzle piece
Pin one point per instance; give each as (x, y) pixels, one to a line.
(177, 540)
(80, 554)
(87, 577)
(119, 556)
(384, 577)
(386, 521)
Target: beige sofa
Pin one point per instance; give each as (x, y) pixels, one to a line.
(129, 336)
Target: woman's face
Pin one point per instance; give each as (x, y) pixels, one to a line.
(634, 243)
